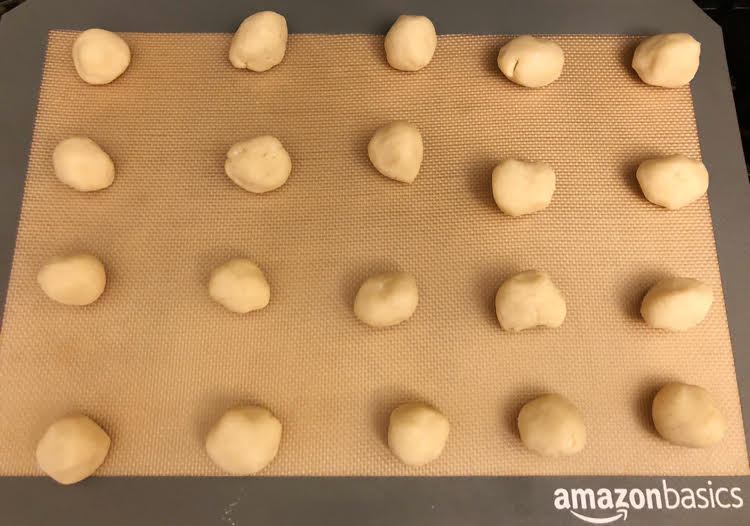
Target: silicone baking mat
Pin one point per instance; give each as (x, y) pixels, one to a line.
(155, 361)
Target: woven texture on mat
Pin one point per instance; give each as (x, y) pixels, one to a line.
(155, 361)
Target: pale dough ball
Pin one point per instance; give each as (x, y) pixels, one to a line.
(244, 440)
(81, 164)
(552, 426)
(522, 188)
(239, 285)
(669, 60)
(673, 181)
(531, 62)
(417, 433)
(72, 448)
(386, 299)
(687, 415)
(100, 56)
(73, 280)
(676, 304)
(396, 151)
(529, 299)
(258, 165)
(260, 42)
(410, 43)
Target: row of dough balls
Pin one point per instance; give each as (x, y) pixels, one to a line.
(246, 439)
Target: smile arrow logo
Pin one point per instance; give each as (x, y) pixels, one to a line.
(622, 513)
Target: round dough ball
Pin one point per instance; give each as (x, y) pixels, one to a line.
(73, 280)
(529, 299)
(531, 62)
(396, 151)
(522, 188)
(673, 181)
(386, 299)
(72, 448)
(417, 433)
(676, 304)
(552, 426)
(687, 415)
(100, 56)
(260, 42)
(244, 440)
(669, 60)
(258, 165)
(239, 285)
(81, 164)
(410, 43)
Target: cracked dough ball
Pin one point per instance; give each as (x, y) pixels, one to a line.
(239, 285)
(258, 165)
(72, 448)
(531, 62)
(687, 415)
(244, 440)
(81, 164)
(552, 426)
(522, 188)
(529, 299)
(100, 56)
(386, 299)
(396, 151)
(669, 60)
(410, 43)
(417, 433)
(673, 181)
(73, 280)
(676, 304)
(260, 42)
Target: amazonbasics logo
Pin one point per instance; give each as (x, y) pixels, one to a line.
(604, 505)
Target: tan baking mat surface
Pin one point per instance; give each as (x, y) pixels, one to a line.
(156, 362)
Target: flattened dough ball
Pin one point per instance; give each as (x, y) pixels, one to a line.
(417, 433)
(529, 299)
(81, 164)
(78, 279)
(244, 440)
(673, 181)
(239, 285)
(530, 61)
(520, 187)
(100, 56)
(72, 448)
(386, 299)
(258, 165)
(687, 415)
(260, 42)
(669, 60)
(552, 426)
(676, 304)
(410, 43)
(396, 151)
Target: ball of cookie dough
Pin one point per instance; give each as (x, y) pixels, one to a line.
(669, 60)
(530, 61)
(676, 304)
(78, 279)
(552, 426)
(687, 415)
(529, 299)
(260, 42)
(410, 43)
(673, 181)
(244, 440)
(72, 448)
(81, 164)
(386, 299)
(100, 56)
(239, 285)
(417, 433)
(258, 165)
(522, 188)
(396, 151)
